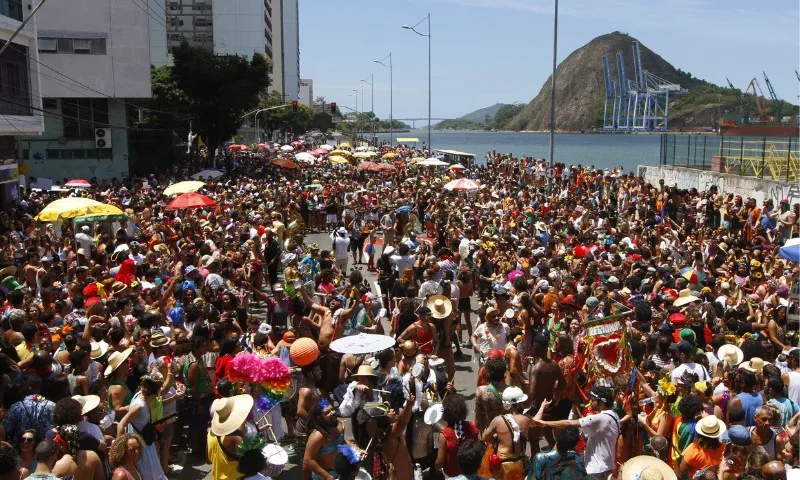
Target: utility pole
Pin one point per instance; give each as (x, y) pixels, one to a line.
(553, 92)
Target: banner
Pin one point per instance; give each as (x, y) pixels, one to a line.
(607, 352)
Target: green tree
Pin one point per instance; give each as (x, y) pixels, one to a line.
(219, 89)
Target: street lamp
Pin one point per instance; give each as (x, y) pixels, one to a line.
(413, 29)
(391, 89)
(371, 83)
(358, 119)
(553, 86)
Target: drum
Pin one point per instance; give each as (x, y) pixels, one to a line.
(276, 458)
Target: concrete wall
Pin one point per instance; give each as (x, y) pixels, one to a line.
(123, 72)
(757, 188)
(239, 27)
(40, 166)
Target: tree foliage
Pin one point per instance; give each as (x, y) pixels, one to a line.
(219, 89)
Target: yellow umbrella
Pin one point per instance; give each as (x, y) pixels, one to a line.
(75, 207)
(338, 159)
(344, 145)
(339, 151)
(183, 187)
(417, 159)
(389, 156)
(364, 154)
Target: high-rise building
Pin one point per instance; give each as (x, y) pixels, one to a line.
(306, 92)
(94, 60)
(234, 27)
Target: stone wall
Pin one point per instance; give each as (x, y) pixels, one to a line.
(757, 188)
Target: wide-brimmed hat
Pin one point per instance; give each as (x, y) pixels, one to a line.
(88, 402)
(685, 297)
(710, 426)
(158, 339)
(230, 413)
(8, 271)
(11, 284)
(98, 349)
(513, 396)
(730, 354)
(645, 467)
(755, 365)
(441, 306)
(540, 226)
(116, 359)
(364, 371)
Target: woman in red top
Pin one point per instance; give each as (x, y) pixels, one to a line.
(227, 350)
(423, 332)
(456, 428)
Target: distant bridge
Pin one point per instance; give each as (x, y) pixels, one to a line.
(415, 120)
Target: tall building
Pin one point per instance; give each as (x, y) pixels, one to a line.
(290, 48)
(20, 92)
(94, 58)
(306, 96)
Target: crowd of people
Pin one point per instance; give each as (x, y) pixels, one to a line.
(119, 334)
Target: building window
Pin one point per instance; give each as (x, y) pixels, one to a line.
(81, 45)
(175, 36)
(174, 6)
(64, 45)
(14, 84)
(86, 46)
(48, 45)
(202, 6)
(78, 154)
(80, 116)
(50, 103)
(11, 9)
(98, 46)
(174, 22)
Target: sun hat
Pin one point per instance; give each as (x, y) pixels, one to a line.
(730, 354)
(158, 339)
(513, 396)
(684, 297)
(754, 365)
(645, 467)
(230, 413)
(440, 306)
(491, 311)
(434, 361)
(364, 371)
(88, 402)
(710, 426)
(116, 359)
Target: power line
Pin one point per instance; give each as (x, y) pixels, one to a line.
(14, 126)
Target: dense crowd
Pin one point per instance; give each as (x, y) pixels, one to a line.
(621, 329)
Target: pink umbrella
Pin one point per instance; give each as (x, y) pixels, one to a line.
(461, 184)
(78, 183)
(318, 152)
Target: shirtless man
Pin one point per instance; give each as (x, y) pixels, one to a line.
(390, 434)
(510, 430)
(327, 434)
(32, 269)
(309, 396)
(545, 376)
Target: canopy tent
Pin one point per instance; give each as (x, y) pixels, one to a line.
(432, 162)
(407, 140)
(208, 173)
(72, 207)
(183, 187)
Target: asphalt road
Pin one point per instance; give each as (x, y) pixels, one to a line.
(465, 382)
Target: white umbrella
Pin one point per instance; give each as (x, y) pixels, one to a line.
(326, 147)
(433, 162)
(208, 174)
(362, 343)
(287, 148)
(305, 157)
(362, 148)
(461, 184)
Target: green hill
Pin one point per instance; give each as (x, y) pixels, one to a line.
(482, 115)
(488, 118)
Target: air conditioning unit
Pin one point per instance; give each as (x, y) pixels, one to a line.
(102, 137)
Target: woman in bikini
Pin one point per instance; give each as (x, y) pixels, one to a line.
(123, 455)
(327, 434)
(423, 332)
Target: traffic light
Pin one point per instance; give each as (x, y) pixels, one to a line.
(294, 105)
(333, 107)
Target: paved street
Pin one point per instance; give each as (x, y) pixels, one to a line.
(466, 379)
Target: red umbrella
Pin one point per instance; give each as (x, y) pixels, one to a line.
(426, 240)
(78, 182)
(296, 144)
(385, 167)
(580, 251)
(236, 147)
(368, 166)
(191, 200)
(282, 162)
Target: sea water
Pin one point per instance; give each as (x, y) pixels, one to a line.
(600, 150)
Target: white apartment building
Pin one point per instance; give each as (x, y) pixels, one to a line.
(20, 92)
(306, 96)
(95, 60)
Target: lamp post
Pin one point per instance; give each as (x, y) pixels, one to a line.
(371, 83)
(391, 89)
(358, 119)
(413, 29)
(553, 86)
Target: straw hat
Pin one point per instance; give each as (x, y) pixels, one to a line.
(645, 467)
(409, 348)
(441, 306)
(230, 413)
(730, 354)
(158, 339)
(8, 271)
(685, 297)
(364, 371)
(88, 402)
(710, 426)
(755, 365)
(116, 359)
(98, 349)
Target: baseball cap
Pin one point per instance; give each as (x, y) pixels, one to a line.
(739, 435)
(688, 335)
(683, 346)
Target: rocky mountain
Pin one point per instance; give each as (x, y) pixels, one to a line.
(580, 88)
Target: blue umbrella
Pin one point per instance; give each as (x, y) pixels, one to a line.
(791, 250)
(404, 209)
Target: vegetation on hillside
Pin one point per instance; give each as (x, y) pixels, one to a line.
(498, 121)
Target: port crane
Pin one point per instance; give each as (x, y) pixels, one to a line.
(777, 104)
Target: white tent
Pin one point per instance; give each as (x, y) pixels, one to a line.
(207, 174)
(432, 162)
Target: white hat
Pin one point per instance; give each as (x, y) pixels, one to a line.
(88, 402)
(85, 228)
(710, 426)
(513, 396)
(730, 354)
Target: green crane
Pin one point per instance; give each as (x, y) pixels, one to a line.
(777, 105)
(742, 103)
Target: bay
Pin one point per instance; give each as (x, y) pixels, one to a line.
(601, 150)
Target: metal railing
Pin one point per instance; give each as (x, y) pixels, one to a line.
(762, 157)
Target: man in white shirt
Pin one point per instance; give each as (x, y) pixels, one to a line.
(685, 350)
(387, 225)
(84, 240)
(430, 286)
(341, 244)
(401, 260)
(490, 334)
(601, 431)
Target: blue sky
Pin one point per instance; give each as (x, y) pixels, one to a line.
(488, 51)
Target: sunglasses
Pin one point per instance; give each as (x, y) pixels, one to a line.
(27, 440)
